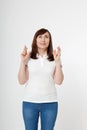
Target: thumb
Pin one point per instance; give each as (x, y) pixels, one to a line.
(54, 52)
(28, 54)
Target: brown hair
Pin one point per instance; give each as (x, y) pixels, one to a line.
(34, 50)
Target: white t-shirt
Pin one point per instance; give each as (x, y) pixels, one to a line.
(41, 86)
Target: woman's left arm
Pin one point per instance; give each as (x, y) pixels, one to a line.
(58, 74)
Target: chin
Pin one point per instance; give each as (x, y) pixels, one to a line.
(43, 47)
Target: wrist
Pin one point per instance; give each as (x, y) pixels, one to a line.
(58, 63)
(23, 63)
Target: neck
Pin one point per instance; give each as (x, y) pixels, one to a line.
(42, 52)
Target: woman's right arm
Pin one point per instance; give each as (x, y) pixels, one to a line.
(23, 74)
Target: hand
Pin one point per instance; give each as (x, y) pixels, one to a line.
(25, 55)
(57, 54)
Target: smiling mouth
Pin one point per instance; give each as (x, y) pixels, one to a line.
(43, 43)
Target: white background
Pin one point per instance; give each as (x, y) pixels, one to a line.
(67, 22)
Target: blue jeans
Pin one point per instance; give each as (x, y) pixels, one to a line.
(46, 111)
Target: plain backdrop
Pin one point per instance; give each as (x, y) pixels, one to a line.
(67, 22)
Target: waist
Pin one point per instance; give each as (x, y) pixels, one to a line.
(52, 97)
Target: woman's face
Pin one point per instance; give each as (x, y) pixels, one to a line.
(43, 40)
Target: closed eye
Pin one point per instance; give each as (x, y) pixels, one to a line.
(46, 36)
(39, 36)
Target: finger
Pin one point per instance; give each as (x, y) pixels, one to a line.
(27, 56)
(29, 53)
(59, 49)
(24, 52)
(54, 52)
(58, 53)
(25, 48)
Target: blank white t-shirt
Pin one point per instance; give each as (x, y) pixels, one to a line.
(41, 86)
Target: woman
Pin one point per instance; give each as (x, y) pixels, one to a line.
(42, 69)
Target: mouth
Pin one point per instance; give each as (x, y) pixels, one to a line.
(43, 43)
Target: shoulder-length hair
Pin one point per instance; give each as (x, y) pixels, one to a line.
(34, 49)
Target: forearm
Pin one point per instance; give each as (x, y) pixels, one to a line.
(23, 73)
(58, 76)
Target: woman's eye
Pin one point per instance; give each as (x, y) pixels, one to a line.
(39, 36)
(46, 36)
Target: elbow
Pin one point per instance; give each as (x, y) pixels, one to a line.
(21, 81)
(59, 82)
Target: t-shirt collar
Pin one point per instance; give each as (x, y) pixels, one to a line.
(44, 56)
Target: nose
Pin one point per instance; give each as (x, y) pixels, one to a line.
(43, 38)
